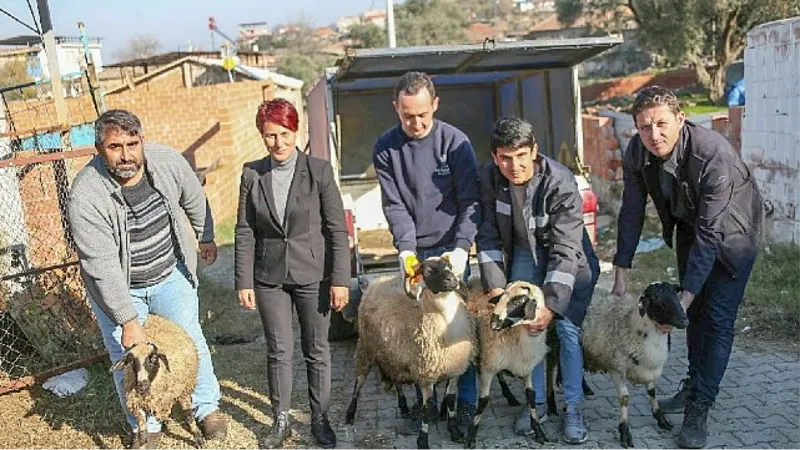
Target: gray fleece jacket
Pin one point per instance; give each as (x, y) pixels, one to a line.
(98, 219)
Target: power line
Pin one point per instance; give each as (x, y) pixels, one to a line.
(33, 16)
(19, 21)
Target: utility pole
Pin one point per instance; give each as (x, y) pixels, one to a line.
(49, 41)
(390, 23)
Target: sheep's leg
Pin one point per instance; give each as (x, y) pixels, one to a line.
(185, 403)
(587, 390)
(552, 366)
(538, 433)
(509, 396)
(443, 408)
(141, 421)
(427, 402)
(625, 438)
(402, 403)
(449, 409)
(486, 385)
(658, 413)
(351, 410)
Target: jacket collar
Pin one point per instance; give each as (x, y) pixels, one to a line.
(265, 183)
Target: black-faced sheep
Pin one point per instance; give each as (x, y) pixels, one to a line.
(628, 339)
(160, 373)
(505, 347)
(421, 344)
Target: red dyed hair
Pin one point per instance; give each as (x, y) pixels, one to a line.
(279, 111)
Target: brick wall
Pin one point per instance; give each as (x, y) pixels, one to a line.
(629, 85)
(771, 126)
(601, 149)
(29, 115)
(212, 126)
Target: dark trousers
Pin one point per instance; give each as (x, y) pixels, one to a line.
(712, 316)
(312, 305)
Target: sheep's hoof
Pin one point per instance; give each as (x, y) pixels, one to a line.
(587, 391)
(625, 438)
(351, 413)
(552, 409)
(142, 437)
(469, 440)
(199, 441)
(661, 418)
(538, 433)
(422, 440)
(455, 433)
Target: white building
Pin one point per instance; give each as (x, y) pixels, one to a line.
(771, 125)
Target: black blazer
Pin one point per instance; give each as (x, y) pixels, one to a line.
(715, 193)
(312, 246)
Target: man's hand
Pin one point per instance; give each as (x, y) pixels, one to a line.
(543, 318)
(459, 258)
(208, 252)
(620, 281)
(405, 262)
(132, 334)
(247, 298)
(686, 299)
(340, 295)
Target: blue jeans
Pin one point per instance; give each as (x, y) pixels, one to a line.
(175, 299)
(468, 381)
(709, 336)
(523, 268)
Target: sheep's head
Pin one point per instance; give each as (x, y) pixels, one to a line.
(517, 304)
(144, 361)
(662, 304)
(436, 275)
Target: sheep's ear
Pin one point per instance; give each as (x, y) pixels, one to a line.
(120, 364)
(644, 302)
(495, 299)
(163, 358)
(463, 290)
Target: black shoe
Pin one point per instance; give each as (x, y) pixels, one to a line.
(694, 430)
(677, 403)
(321, 429)
(279, 433)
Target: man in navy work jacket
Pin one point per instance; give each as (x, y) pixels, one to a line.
(429, 188)
(706, 196)
(532, 230)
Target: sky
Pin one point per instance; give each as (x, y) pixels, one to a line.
(174, 22)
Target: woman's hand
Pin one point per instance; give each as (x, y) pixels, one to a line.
(247, 298)
(340, 295)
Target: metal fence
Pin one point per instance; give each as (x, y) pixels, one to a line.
(46, 324)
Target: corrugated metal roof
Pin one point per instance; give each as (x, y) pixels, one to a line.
(487, 57)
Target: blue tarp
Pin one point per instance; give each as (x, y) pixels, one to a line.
(736, 94)
(81, 136)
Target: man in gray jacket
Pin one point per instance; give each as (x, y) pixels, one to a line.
(137, 254)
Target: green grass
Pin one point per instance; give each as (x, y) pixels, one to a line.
(699, 104)
(771, 306)
(225, 232)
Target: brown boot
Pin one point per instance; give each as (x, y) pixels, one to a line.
(214, 426)
(152, 441)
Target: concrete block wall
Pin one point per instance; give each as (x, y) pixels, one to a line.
(771, 125)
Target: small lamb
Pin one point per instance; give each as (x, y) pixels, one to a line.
(160, 373)
(628, 339)
(505, 347)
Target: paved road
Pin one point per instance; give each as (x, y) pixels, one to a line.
(758, 406)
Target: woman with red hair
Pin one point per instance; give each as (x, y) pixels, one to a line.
(292, 250)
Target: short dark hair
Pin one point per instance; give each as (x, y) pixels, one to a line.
(413, 82)
(116, 119)
(512, 132)
(653, 97)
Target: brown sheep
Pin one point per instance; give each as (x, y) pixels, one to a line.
(160, 373)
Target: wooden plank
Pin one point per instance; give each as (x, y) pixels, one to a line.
(49, 157)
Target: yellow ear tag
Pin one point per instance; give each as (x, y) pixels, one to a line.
(411, 263)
